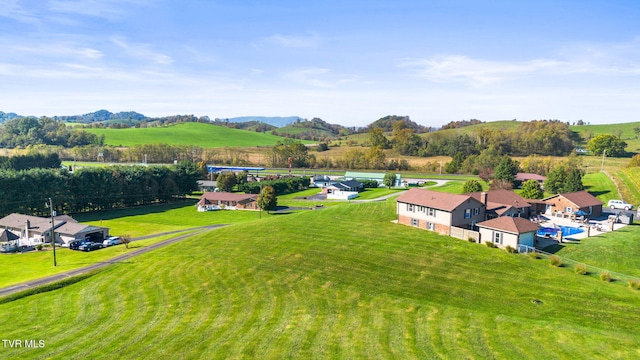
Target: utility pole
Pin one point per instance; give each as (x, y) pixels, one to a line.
(604, 153)
(53, 235)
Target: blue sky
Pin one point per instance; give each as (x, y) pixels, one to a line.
(347, 62)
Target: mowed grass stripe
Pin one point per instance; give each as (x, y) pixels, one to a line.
(326, 290)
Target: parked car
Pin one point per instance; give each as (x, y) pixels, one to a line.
(112, 240)
(75, 244)
(619, 204)
(90, 246)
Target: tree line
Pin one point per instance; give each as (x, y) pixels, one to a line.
(30, 161)
(25, 131)
(91, 189)
(553, 138)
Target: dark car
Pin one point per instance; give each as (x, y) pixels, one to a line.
(75, 244)
(90, 246)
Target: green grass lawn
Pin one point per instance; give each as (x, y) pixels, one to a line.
(600, 186)
(18, 268)
(343, 282)
(618, 251)
(146, 220)
(453, 187)
(204, 135)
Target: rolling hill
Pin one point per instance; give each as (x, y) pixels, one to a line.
(288, 287)
(198, 134)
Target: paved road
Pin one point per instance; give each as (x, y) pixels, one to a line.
(57, 277)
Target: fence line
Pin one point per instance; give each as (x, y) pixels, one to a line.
(614, 275)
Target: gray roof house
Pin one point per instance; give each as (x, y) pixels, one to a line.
(30, 230)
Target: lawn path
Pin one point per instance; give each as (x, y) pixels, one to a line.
(57, 277)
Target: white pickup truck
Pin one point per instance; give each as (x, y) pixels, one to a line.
(619, 204)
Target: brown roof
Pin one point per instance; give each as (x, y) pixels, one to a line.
(225, 196)
(435, 199)
(502, 197)
(579, 198)
(514, 225)
(530, 176)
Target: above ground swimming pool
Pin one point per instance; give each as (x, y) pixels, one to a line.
(566, 231)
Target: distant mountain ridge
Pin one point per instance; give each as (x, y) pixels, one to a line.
(8, 116)
(277, 121)
(102, 115)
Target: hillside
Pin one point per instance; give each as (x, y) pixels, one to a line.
(314, 129)
(277, 121)
(199, 134)
(288, 287)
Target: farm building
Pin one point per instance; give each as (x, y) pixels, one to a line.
(227, 201)
(32, 230)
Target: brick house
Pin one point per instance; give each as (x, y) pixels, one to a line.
(437, 211)
(504, 203)
(567, 204)
(227, 201)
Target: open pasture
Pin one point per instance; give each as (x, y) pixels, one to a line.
(197, 134)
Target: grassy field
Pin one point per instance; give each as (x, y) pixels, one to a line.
(154, 219)
(204, 135)
(18, 268)
(618, 251)
(288, 287)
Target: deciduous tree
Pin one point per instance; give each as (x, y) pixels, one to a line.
(267, 199)
(389, 179)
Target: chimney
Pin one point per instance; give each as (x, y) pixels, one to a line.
(26, 231)
(483, 198)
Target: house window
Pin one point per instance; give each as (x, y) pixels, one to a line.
(431, 211)
(476, 211)
(414, 222)
(467, 213)
(497, 237)
(430, 226)
(568, 210)
(409, 207)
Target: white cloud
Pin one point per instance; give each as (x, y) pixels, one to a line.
(110, 9)
(142, 52)
(318, 77)
(293, 41)
(14, 10)
(601, 60)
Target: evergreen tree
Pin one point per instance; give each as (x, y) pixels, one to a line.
(471, 186)
(455, 164)
(531, 190)
(506, 170)
(573, 181)
(556, 179)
